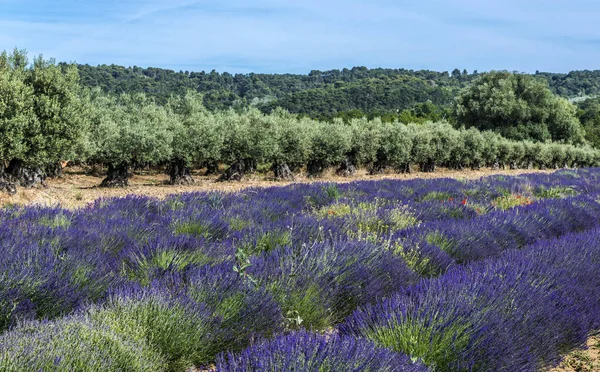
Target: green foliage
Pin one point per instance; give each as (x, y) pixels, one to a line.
(589, 114)
(556, 192)
(509, 201)
(401, 218)
(75, 344)
(194, 228)
(197, 135)
(167, 326)
(433, 143)
(140, 268)
(332, 191)
(130, 130)
(58, 221)
(46, 117)
(336, 210)
(248, 137)
(242, 263)
(395, 146)
(421, 339)
(415, 260)
(293, 139)
(269, 241)
(43, 112)
(439, 240)
(519, 107)
(365, 222)
(330, 144)
(474, 147)
(301, 306)
(409, 96)
(437, 196)
(366, 138)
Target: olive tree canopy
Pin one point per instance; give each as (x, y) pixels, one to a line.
(519, 107)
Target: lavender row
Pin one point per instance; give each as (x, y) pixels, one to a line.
(432, 247)
(521, 311)
(303, 351)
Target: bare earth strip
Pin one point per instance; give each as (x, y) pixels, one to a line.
(77, 189)
(585, 360)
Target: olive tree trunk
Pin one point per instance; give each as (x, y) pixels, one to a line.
(180, 173)
(282, 171)
(212, 167)
(116, 176)
(6, 184)
(315, 168)
(403, 168)
(427, 167)
(25, 176)
(377, 168)
(238, 170)
(346, 168)
(54, 170)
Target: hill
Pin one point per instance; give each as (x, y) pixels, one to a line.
(319, 94)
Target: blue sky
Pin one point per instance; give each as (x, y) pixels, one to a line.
(299, 36)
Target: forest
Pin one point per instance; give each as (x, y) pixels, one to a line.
(354, 92)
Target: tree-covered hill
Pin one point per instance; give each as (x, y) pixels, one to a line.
(319, 94)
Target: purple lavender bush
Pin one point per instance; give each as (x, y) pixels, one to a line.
(74, 343)
(519, 312)
(310, 352)
(190, 317)
(467, 240)
(318, 285)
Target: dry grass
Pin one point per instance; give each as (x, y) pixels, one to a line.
(77, 188)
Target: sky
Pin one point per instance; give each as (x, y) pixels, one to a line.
(286, 36)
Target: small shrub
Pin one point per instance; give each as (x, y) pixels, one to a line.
(510, 201)
(75, 344)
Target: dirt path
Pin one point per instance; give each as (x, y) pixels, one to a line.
(586, 360)
(76, 189)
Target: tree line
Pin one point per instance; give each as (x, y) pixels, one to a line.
(320, 95)
(47, 116)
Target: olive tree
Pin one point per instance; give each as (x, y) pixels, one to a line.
(330, 144)
(129, 130)
(197, 138)
(292, 137)
(559, 155)
(473, 145)
(491, 150)
(248, 141)
(433, 143)
(519, 107)
(43, 115)
(364, 143)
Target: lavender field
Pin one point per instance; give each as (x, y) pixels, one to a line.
(496, 274)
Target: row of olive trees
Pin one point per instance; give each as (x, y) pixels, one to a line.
(132, 130)
(45, 117)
